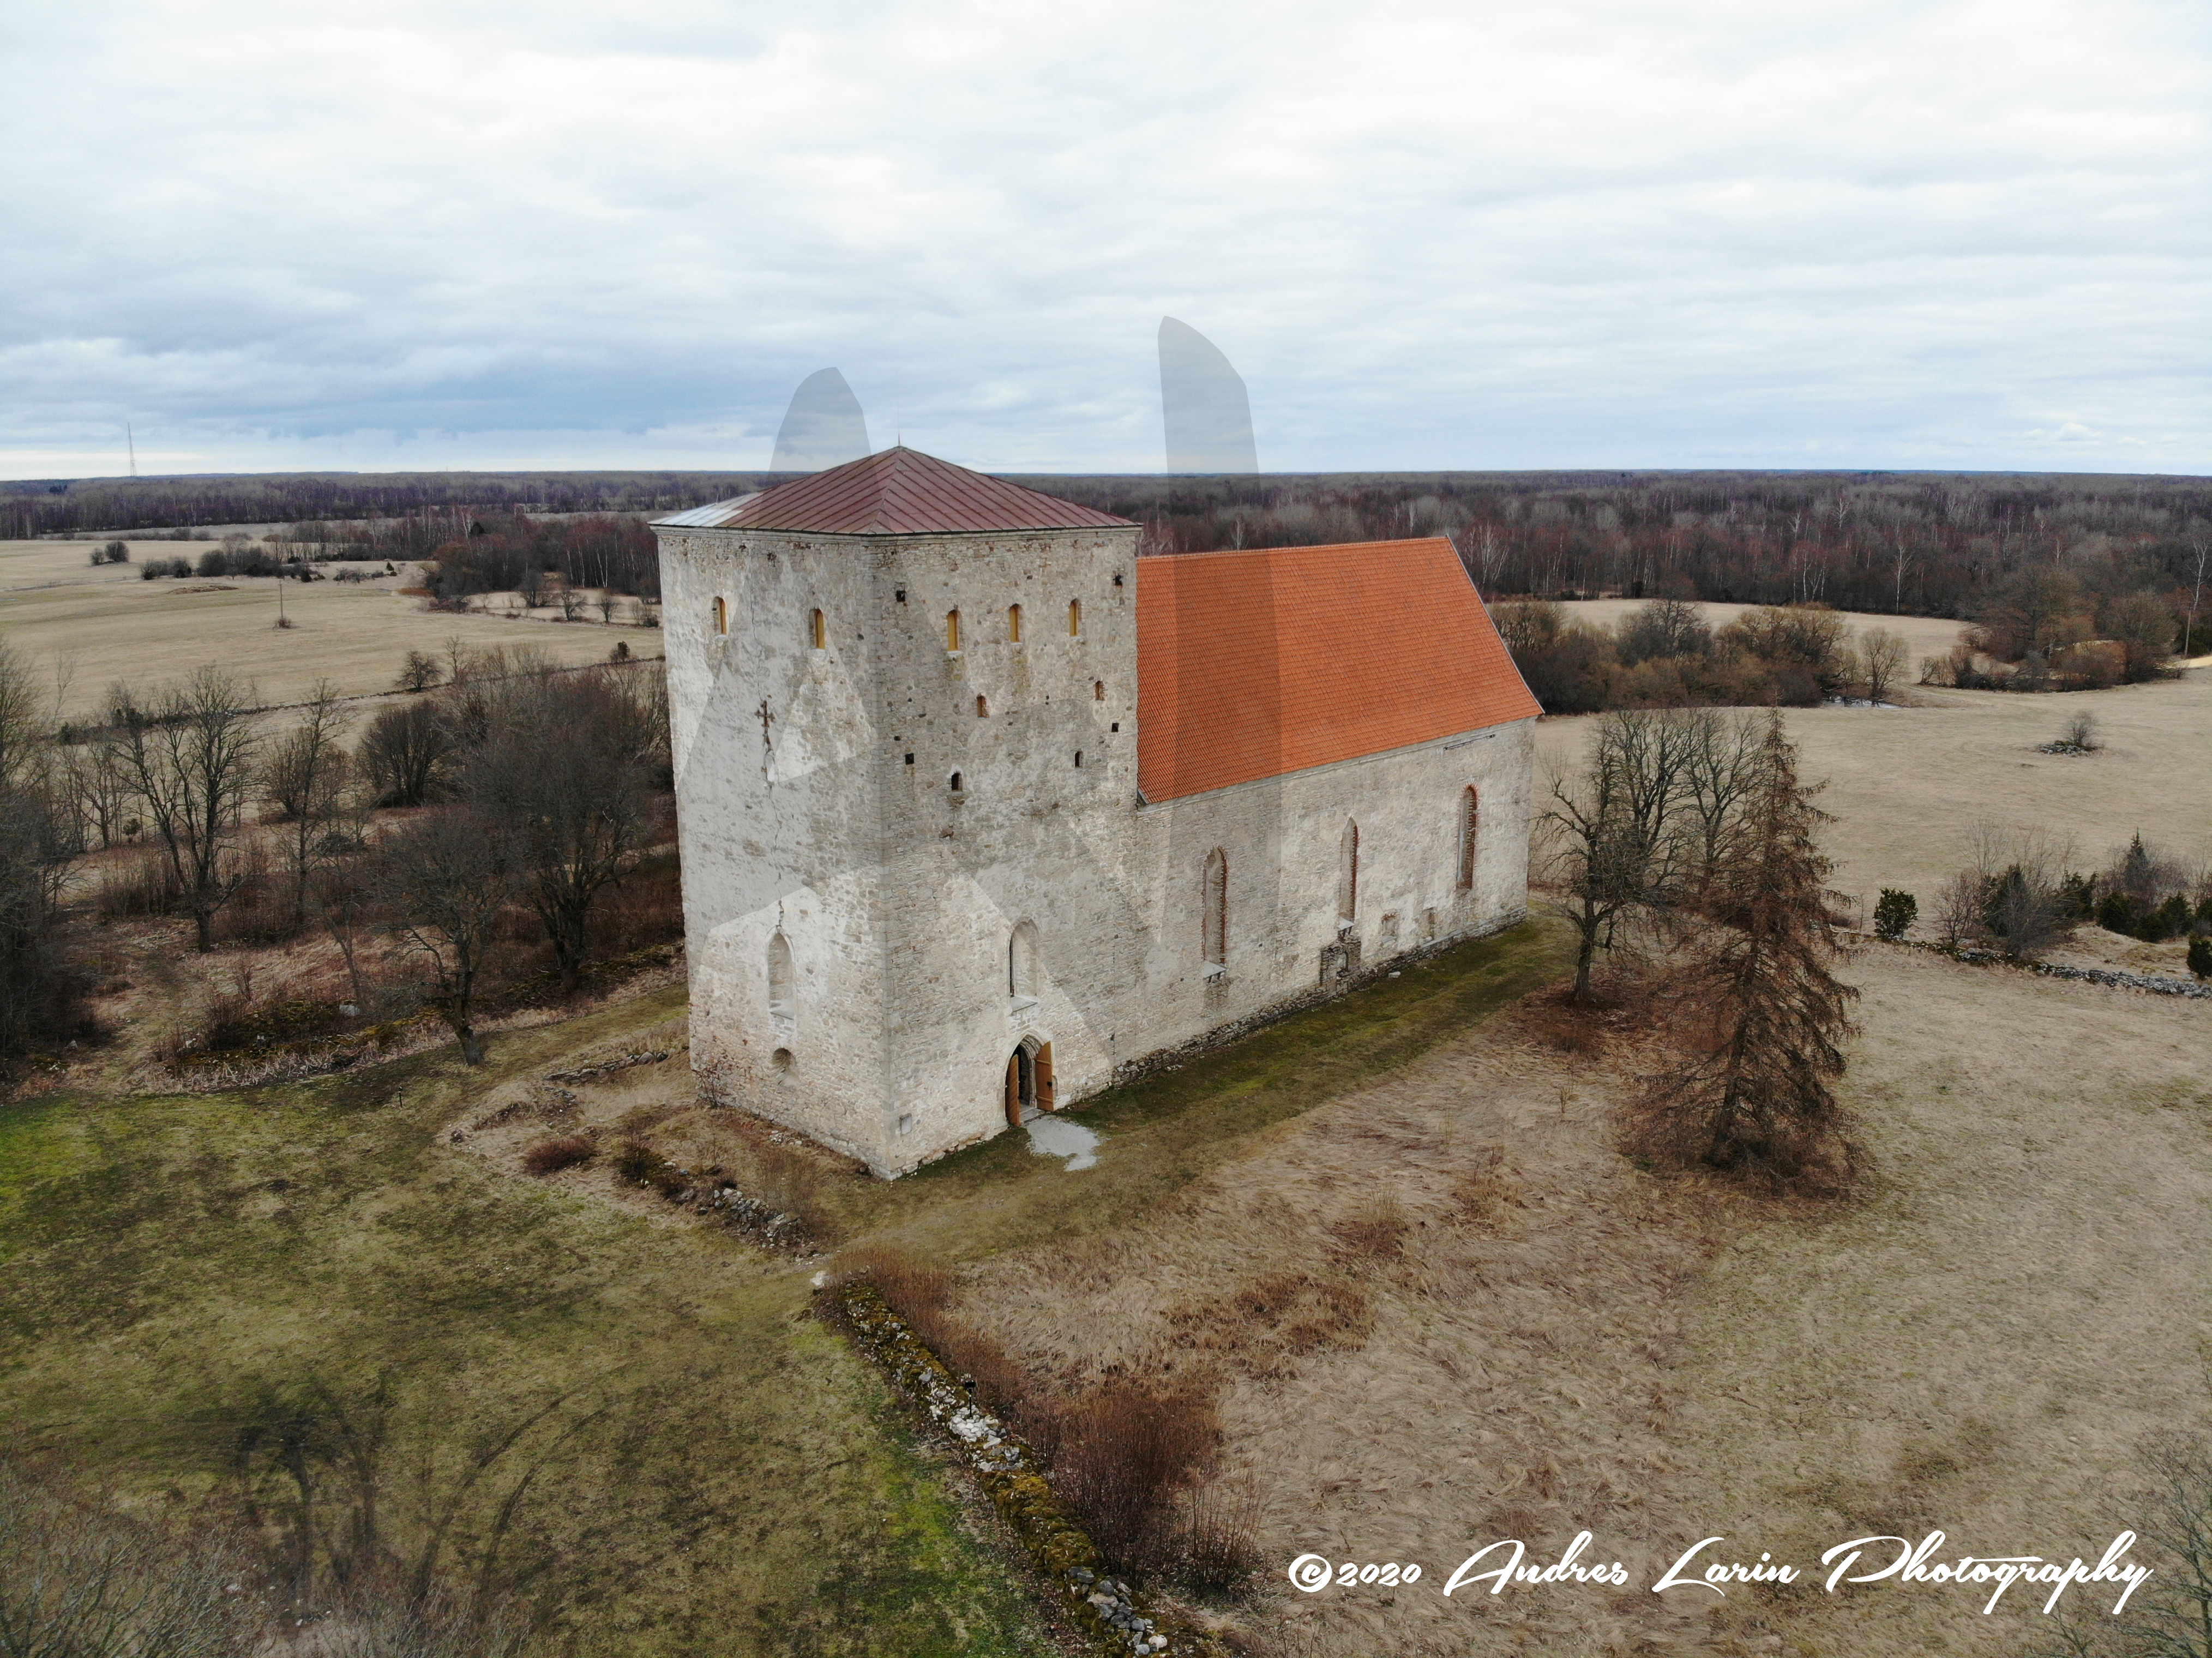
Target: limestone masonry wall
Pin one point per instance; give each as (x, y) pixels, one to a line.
(869, 944)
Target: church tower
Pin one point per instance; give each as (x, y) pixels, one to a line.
(905, 702)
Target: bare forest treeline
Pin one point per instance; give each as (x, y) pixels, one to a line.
(1922, 545)
(441, 500)
(1904, 543)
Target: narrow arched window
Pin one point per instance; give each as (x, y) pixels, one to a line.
(1014, 623)
(1021, 961)
(1075, 617)
(779, 977)
(819, 628)
(1347, 875)
(1078, 759)
(722, 615)
(1214, 923)
(956, 782)
(1469, 825)
(1097, 690)
(983, 708)
(953, 630)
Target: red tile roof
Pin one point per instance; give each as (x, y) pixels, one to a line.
(903, 492)
(1254, 665)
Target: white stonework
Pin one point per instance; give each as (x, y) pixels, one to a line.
(1043, 905)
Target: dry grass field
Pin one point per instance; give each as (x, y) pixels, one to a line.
(1509, 1331)
(108, 624)
(1906, 785)
(1435, 1306)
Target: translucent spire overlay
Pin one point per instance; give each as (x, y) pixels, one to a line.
(1203, 402)
(823, 427)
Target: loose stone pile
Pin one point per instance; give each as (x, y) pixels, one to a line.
(584, 1073)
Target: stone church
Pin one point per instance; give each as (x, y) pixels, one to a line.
(980, 810)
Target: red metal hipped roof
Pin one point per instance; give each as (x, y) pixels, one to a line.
(903, 492)
(1254, 665)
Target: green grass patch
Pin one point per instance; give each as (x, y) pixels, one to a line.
(701, 1467)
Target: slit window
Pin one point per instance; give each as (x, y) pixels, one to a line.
(818, 628)
(1214, 926)
(983, 708)
(1075, 617)
(1014, 623)
(956, 782)
(722, 615)
(1469, 825)
(1097, 690)
(779, 977)
(1347, 875)
(1078, 759)
(953, 630)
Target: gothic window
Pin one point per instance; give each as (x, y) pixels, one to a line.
(1469, 819)
(1014, 623)
(779, 977)
(953, 630)
(722, 615)
(1347, 875)
(1021, 961)
(819, 630)
(1214, 922)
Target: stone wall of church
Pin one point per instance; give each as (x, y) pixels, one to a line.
(883, 1022)
(1284, 843)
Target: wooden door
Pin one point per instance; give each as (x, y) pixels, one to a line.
(1045, 1078)
(1014, 1089)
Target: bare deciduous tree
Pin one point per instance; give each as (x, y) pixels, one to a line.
(562, 774)
(1760, 1015)
(78, 1579)
(189, 754)
(305, 779)
(1607, 848)
(443, 880)
(420, 671)
(1882, 657)
(406, 751)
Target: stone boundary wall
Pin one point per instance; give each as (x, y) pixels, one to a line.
(1104, 1608)
(2153, 984)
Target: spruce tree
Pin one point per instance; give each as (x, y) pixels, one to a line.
(1759, 1016)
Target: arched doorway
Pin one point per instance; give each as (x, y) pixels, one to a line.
(1029, 1081)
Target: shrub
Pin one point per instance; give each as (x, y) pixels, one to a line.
(551, 1157)
(1125, 1453)
(2173, 917)
(638, 1162)
(145, 885)
(2200, 956)
(1895, 914)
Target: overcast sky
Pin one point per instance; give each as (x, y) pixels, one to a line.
(1585, 233)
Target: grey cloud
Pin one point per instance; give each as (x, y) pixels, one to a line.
(1867, 235)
